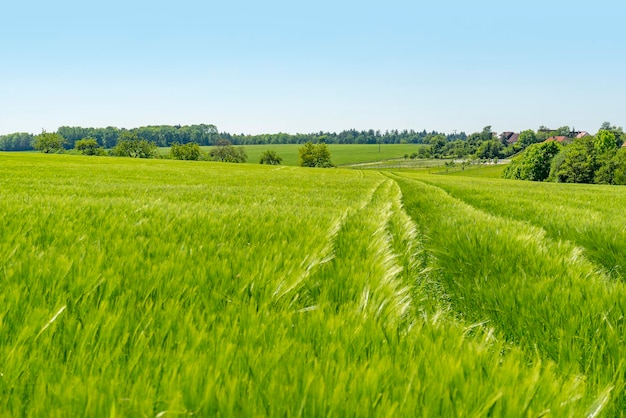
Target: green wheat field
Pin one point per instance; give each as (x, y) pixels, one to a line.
(161, 288)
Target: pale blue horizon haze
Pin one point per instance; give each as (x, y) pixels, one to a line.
(267, 67)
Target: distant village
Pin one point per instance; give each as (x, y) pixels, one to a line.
(511, 138)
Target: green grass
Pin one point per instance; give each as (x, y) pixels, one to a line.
(433, 164)
(484, 171)
(582, 214)
(164, 288)
(340, 154)
(542, 293)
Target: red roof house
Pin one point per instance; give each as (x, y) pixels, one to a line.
(582, 134)
(559, 138)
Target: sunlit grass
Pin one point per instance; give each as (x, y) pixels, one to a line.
(542, 293)
(587, 215)
(341, 154)
(480, 170)
(164, 288)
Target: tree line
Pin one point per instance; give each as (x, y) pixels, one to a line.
(599, 159)
(482, 144)
(131, 145)
(350, 136)
(207, 134)
(185, 140)
(161, 136)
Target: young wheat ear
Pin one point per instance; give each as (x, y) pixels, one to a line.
(51, 321)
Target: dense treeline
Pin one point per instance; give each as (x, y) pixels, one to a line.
(350, 136)
(597, 159)
(205, 134)
(484, 145)
(16, 142)
(161, 136)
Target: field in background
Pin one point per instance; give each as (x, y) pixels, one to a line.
(157, 287)
(479, 170)
(341, 154)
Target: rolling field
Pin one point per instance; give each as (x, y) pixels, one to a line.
(342, 154)
(171, 288)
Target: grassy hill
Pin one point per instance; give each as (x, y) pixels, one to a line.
(342, 154)
(157, 287)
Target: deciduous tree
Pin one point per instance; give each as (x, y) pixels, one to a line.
(88, 146)
(604, 141)
(535, 163)
(315, 155)
(188, 151)
(489, 149)
(580, 163)
(226, 153)
(48, 142)
(527, 138)
(270, 157)
(613, 170)
(130, 145)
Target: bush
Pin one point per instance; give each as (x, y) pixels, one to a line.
(270, 157)
(580, 162)
(226, 153)
(489, 150)
(315, 155)
(130, 145)
(613, 170)
(556, 163)
(48, 142)
(422, 152)
(88, 146)
(188, 151)
(534, 164)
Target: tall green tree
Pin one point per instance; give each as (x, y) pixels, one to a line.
(605, 141)
(437, 145)
(49, 142)
(188, 151)
(618, 131)
(612, 169)
(490, 149)
(130, 145)
(270, 157)
(527, 138)
(88, 146)
(226, 153)
(486, 134)
(315, 155)
(19, 141)
(534, 164)
(563, 131)
(580, 162)
(619, 167)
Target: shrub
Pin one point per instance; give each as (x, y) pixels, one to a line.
(580, 162)
(534, 164)
(315, 155)
(226, 153)
(88, 146)
(130, 145)
(188, 151)
(270, 157)
(49, 142)
(613, 170)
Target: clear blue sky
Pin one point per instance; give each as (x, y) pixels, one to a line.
(255, 67)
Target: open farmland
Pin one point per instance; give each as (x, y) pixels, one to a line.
(166, 288)
(342, 154)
